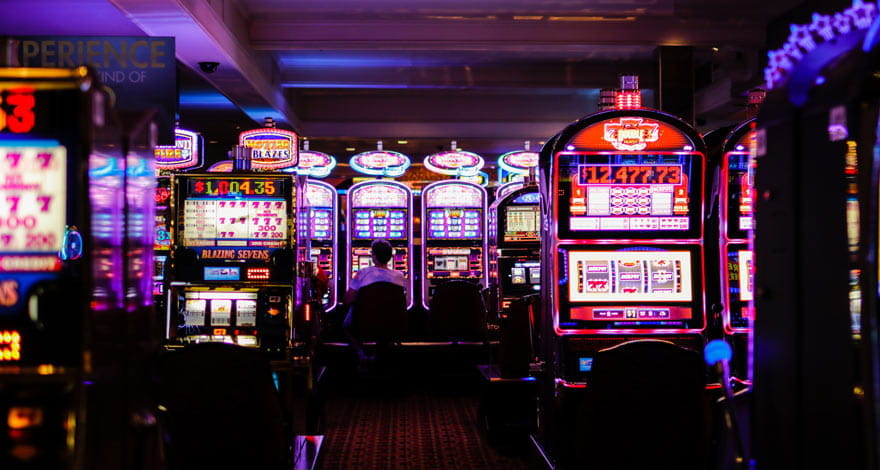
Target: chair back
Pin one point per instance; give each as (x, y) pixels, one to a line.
(646, 407)
(221, 409)
(380, 312)
(457, 312)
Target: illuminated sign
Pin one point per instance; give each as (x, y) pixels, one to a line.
(454, 162)
(601, 276)
(631, 133)
(629, 174)
(481, 178)
(314, 164)
(380, 163)
(235, 187)
(273, 148)
(8, 292)
(224, 166)
(17, 110)
(186, 152)
(379, 195)
(803, 39)
(519, 161)
(32, 197)
(10, 345)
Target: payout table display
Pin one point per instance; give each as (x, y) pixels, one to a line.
(322, 206)
(453, 234)
(380, 209)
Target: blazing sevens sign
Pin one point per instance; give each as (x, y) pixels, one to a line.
(631, 134)
(273, 148)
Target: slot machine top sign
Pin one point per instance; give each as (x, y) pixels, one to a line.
(314, 164)
(380, 163)
(274, 149)
(630, 134)
(187, 152)
(454, 162)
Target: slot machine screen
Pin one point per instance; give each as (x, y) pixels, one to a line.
(633, 287)
(522, 223)
(451, 263)
(372, 223)
(629, 195)
(455, 224)
(235, 212)
(740, 284)
(517, 275)
(740, 220)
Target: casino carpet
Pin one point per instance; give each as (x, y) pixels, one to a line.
(417, 423)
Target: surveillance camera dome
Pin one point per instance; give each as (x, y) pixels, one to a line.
(209, 67)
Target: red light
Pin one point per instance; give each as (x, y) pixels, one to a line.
(307, 312)
(258, 273)
(10, 345)
(628, 99)
(219, 331)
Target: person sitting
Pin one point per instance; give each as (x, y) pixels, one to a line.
(381, 253)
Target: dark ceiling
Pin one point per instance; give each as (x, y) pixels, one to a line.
(489, 74)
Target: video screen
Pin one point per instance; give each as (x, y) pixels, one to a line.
(454, 224)
(322, 224)
(521, 274)
(522, 223)
(451, 263)
(645, 287)
(235, 212)
(372, 223)
(740, 195)
(629, 195)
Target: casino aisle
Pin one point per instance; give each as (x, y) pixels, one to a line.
(408, 417)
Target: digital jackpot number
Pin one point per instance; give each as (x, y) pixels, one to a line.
(629, 174)
(17, 110)
(223, 187)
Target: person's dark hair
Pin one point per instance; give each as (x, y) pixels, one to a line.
(381, 249)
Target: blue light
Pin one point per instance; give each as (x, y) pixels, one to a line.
(204, 99)
(717, 350)
(820, 80)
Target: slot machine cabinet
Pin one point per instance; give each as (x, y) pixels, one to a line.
(815, 245)
(515, 245)
(622, 250)
(323, 202)
(453, 235)
(233, 261)
(736, 218)
(73, 273)
(380, 209)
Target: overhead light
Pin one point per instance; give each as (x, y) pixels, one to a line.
(592, 18)
(349, 149)
(402, 142)
(528, 18)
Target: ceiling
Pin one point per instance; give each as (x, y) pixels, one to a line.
(489, 74)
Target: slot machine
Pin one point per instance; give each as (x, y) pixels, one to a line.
(380, 209)
(233, 258)
(75, 250)
(454, 243)
(186, 153)
(323, 203)
(515, 245)
(736, 217)
(621, 246)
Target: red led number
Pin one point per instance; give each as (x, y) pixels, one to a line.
(17, 112)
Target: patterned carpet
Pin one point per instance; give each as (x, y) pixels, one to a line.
(421, 425)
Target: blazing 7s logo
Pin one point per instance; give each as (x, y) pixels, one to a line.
(631, 133)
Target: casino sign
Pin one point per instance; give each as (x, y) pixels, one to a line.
(273, 148)
(454, 162)
(380, 163)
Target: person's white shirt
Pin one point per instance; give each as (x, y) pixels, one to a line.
(372, 274)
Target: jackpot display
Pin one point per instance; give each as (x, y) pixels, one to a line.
(323, 216)
(380, 209)
(453, 234)
(233, 250)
